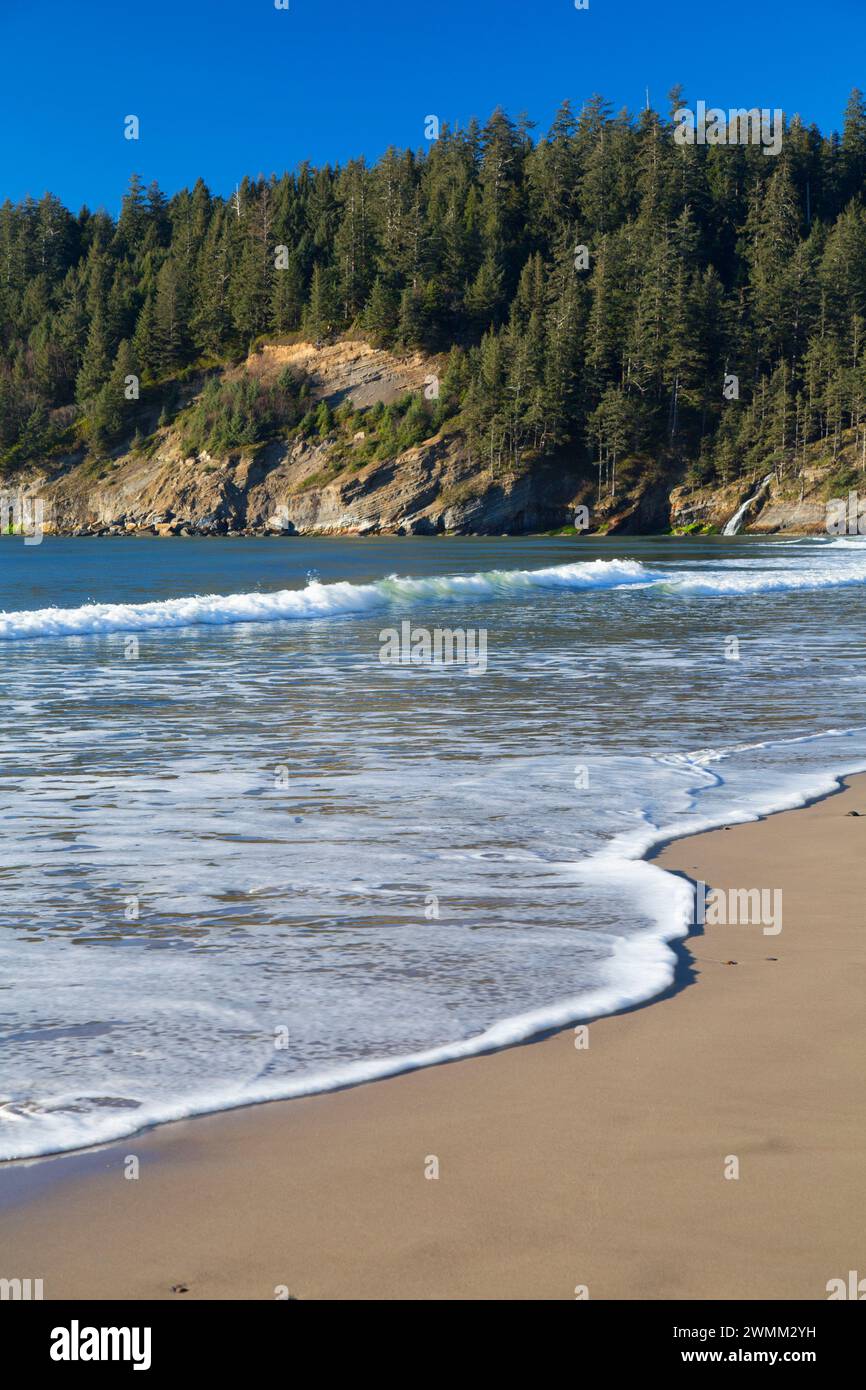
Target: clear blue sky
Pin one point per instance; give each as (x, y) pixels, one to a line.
(224, 88)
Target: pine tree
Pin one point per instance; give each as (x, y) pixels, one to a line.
(144, 341)
(321, 310)
(381, 312)
(324, 419)
(114, 407)
(703, 261)
(96, 362)
(287, 296)
(774, 233)
(854, 146)
(132, 223)
(169, 319)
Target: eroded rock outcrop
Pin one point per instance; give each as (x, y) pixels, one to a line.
(316, 486)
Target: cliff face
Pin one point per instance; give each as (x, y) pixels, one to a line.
(429, 489)
(313, 487)
(304, 486)
(793, 502)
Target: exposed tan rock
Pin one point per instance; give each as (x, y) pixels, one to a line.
(301, 487)
(352, 371)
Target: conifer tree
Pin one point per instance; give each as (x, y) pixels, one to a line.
(96, 362)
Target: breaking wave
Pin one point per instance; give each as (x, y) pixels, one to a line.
(318, 600)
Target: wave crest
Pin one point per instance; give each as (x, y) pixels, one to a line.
(317, 600)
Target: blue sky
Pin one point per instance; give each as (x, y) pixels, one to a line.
(224, 88)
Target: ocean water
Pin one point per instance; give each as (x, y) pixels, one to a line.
(243, 858)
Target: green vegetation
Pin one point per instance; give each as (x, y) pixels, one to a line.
(694, 528)
(358, 437)
(702, 262)
(233, 414)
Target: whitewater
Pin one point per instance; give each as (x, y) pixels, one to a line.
(252, 862)
(318, 600)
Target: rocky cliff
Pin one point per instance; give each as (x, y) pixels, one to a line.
(301, 486)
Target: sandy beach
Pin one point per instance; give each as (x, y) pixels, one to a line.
(559, 1167)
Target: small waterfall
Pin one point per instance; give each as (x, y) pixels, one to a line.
(736, 522)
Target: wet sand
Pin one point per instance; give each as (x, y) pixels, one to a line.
(559, 1167)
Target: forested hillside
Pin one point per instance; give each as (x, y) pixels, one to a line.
(702, 262)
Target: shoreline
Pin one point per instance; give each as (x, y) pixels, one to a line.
(564, 532)
(220, 1153)
(443, 1054)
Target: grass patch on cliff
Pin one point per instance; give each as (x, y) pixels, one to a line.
(844, 480)
(46, 438)
(246, 413)
(354, 439)
(694, 528)
(319, 479)
(230, 415)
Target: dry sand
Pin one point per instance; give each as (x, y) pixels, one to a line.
(558, 1167)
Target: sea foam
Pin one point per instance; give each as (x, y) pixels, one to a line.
(318, 600)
